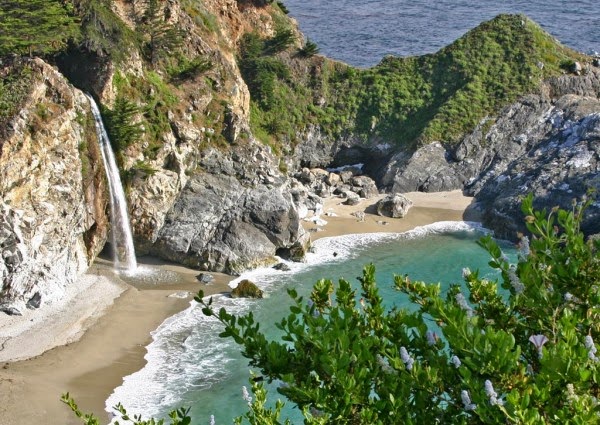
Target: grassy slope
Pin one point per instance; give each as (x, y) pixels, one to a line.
(414, 100)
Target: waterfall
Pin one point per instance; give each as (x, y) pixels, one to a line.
(121, 237)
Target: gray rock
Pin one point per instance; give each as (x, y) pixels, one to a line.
(282, 267)
(205, 278)
(11, 310)
(394, 206)
(35, 301)
(352, 198)
(229, 223)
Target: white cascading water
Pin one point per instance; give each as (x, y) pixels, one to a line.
(121, 237)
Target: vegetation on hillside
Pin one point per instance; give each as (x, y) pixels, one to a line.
(522, 350)
(410, 100)
(36, 27)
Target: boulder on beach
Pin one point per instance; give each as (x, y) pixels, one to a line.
(205, 278)
(394, 206)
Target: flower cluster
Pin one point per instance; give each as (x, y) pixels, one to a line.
(515, 282)
(466, 400)
(432, 338)
(384, 364)
(462, 303)
(406, 358)
(493, 396)
(524, 250)
(592, 350)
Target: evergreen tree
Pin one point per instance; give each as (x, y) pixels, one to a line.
(35, 26)
(162, 38)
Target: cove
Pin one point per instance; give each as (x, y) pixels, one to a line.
(189, 365)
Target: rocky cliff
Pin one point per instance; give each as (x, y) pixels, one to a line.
(53, 196)
(211, 107)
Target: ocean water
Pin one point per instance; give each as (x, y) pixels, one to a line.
(189, 365)
(361, 32)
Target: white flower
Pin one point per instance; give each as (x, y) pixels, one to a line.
(489, 391)
(466, 272)
(466, 400)
(455, 361)
(246, 396)
(431, 338)
(568, 296)
(462, 303)
(406, 358)
(212, 420)
(538, 341)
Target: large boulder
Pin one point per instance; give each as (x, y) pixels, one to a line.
(394, 206)
(561, 168)
(227, 219)
(246, 289)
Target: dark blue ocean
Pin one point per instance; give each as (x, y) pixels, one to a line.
(361, 32)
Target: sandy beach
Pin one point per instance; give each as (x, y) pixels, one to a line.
(99, 334)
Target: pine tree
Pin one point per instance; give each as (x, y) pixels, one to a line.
(35, 26)
(162, 38)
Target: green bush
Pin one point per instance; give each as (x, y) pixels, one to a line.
(309, 49)
(14, 89)
(120, 124)
(103, 32)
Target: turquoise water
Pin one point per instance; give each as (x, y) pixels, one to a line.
(189, 365)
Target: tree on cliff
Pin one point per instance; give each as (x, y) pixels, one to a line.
(473, 354)
(36, 26)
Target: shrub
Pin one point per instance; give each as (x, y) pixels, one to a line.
(120, 124)
(309, 49)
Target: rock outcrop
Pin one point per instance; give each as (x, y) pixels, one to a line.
(52, 192)
(236, 214)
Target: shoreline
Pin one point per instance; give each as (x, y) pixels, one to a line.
(111, 343)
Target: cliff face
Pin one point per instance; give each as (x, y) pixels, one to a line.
(53, 196)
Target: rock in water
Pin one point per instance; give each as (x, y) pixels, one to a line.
(246, 289)
(395, 206)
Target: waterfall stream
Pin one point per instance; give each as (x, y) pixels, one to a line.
(121, 236)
